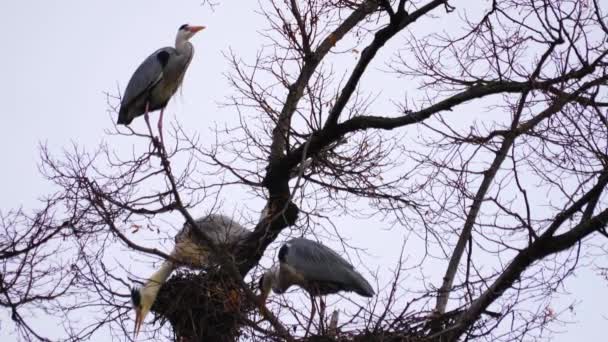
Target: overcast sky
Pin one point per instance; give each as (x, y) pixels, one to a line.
(59, 57)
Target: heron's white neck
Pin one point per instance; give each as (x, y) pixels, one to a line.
(269, 281)
(273, 275)
(182, 45)
(156, 280)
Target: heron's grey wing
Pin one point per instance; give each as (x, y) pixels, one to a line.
(317, 262)
(229, 231)
(147, 75)
(220, 229)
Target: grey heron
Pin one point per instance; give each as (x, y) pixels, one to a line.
(315, 268)
(189, 250)
(157, 78)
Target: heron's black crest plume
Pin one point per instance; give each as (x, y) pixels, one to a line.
(183, 27)
(283, 252)
(135, 297)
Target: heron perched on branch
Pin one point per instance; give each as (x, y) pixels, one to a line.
(191, 250)
(157, 79)
(315, 268)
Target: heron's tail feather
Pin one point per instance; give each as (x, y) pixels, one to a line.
(123, 116)
(362, 287)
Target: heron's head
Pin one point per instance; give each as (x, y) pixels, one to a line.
(186, 31)
(142, 299)
(267, 282)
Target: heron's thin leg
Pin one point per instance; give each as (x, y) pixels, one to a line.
(321, 314)
(313, 306)
(147, 118)
(160, 127)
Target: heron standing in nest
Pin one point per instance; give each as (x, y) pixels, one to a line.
(315, 268)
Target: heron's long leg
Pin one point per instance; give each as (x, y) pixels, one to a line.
(147, 118)
(321, 314)
(313, 306)
(160, 127)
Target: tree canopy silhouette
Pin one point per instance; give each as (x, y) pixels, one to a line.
(495, 161)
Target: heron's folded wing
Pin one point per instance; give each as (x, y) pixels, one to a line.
(317, 262)
(147, 75)
(219, 228)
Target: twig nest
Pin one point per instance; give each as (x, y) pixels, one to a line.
(204, 306)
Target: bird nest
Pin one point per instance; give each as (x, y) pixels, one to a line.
(210, 306)
(204, 306)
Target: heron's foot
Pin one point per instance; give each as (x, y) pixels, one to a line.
(156, 143)
(158, 150)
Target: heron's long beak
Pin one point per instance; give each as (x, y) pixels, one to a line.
(138, 321)
(262, 303)
(195, 29)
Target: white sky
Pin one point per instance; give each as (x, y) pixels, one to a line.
(59, 57)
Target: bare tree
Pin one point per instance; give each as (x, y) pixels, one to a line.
(497, 163)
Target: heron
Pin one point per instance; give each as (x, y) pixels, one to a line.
(315, 268)
(157, 78)
(190, 250)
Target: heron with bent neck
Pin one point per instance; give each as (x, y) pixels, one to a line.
(190, 250)
(315, 268)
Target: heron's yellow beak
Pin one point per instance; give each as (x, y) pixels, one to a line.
(262, 303)
(138, 321)
(265, 287)
(195, 29)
